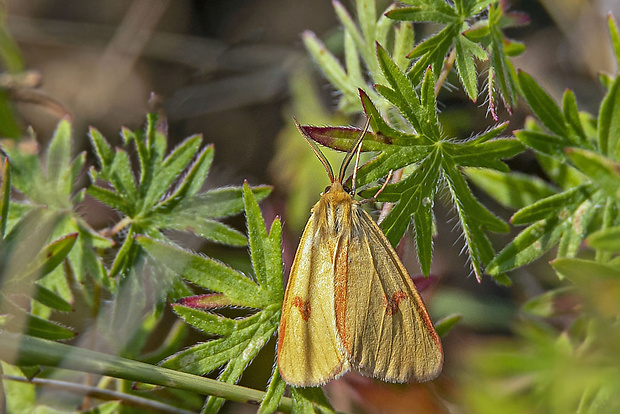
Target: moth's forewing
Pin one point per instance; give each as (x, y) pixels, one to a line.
(309, 352)
(381, 320)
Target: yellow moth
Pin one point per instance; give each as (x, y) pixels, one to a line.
(349, 302)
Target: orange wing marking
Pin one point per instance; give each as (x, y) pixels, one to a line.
(303, 306)
(391, 304)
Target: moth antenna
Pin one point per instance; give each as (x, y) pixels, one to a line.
(355, 168)
(374, 198)
(316, 150)
(354, 148)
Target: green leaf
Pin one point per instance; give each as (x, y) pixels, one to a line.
(609, 122)
(48, 298)
(571, 113)
(545, 305)
(528, 246)
(266, 251)
(122, 261)
(444, 325)
(544, 143)
(407, 99)
(465, 49)
(603, 172)
(597, 283)
(429, 107)
(512, 190)
(562, 173)
(543, 105)
(403, 43)
(331, 68)
(576, 229)
(8, 126)
(274, 393)
(479, 5)
(432, 51)
(207, 229)
(474, 217)
(220, 202)
(424, 13)
(484, 154)
(605, 239)
(103, 150)
(25, 240)
(18, 397)
(615, 37)
(549, 207)
(121, 177)
(188, 186)
(59, 152)
(414, 193)
(205, 321)
(310, 400)
(171, 169)
(205, 272)
(111, 198)
(501, 79)
(48, 258)
(149, 203)
(21, 321)
(243, 340)
(382, 129)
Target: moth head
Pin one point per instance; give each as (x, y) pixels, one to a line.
(353, 151)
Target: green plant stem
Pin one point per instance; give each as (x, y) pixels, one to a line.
(99, 393)
(25, 350)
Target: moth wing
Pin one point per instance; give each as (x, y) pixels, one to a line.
(382, 322)
(309, 351)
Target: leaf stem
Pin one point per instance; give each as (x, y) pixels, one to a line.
(118, 227)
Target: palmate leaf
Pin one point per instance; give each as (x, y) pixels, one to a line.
(45, 230)
(585, 167)
(437, 161)
(26, 259)
(239, 340)
(465, 43)
(164, 194)
(361, 68)
(51, 185)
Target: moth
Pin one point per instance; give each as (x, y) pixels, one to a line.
(350, 303)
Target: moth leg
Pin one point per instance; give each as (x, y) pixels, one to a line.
(374, 198)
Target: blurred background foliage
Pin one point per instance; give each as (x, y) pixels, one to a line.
(237, 72)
